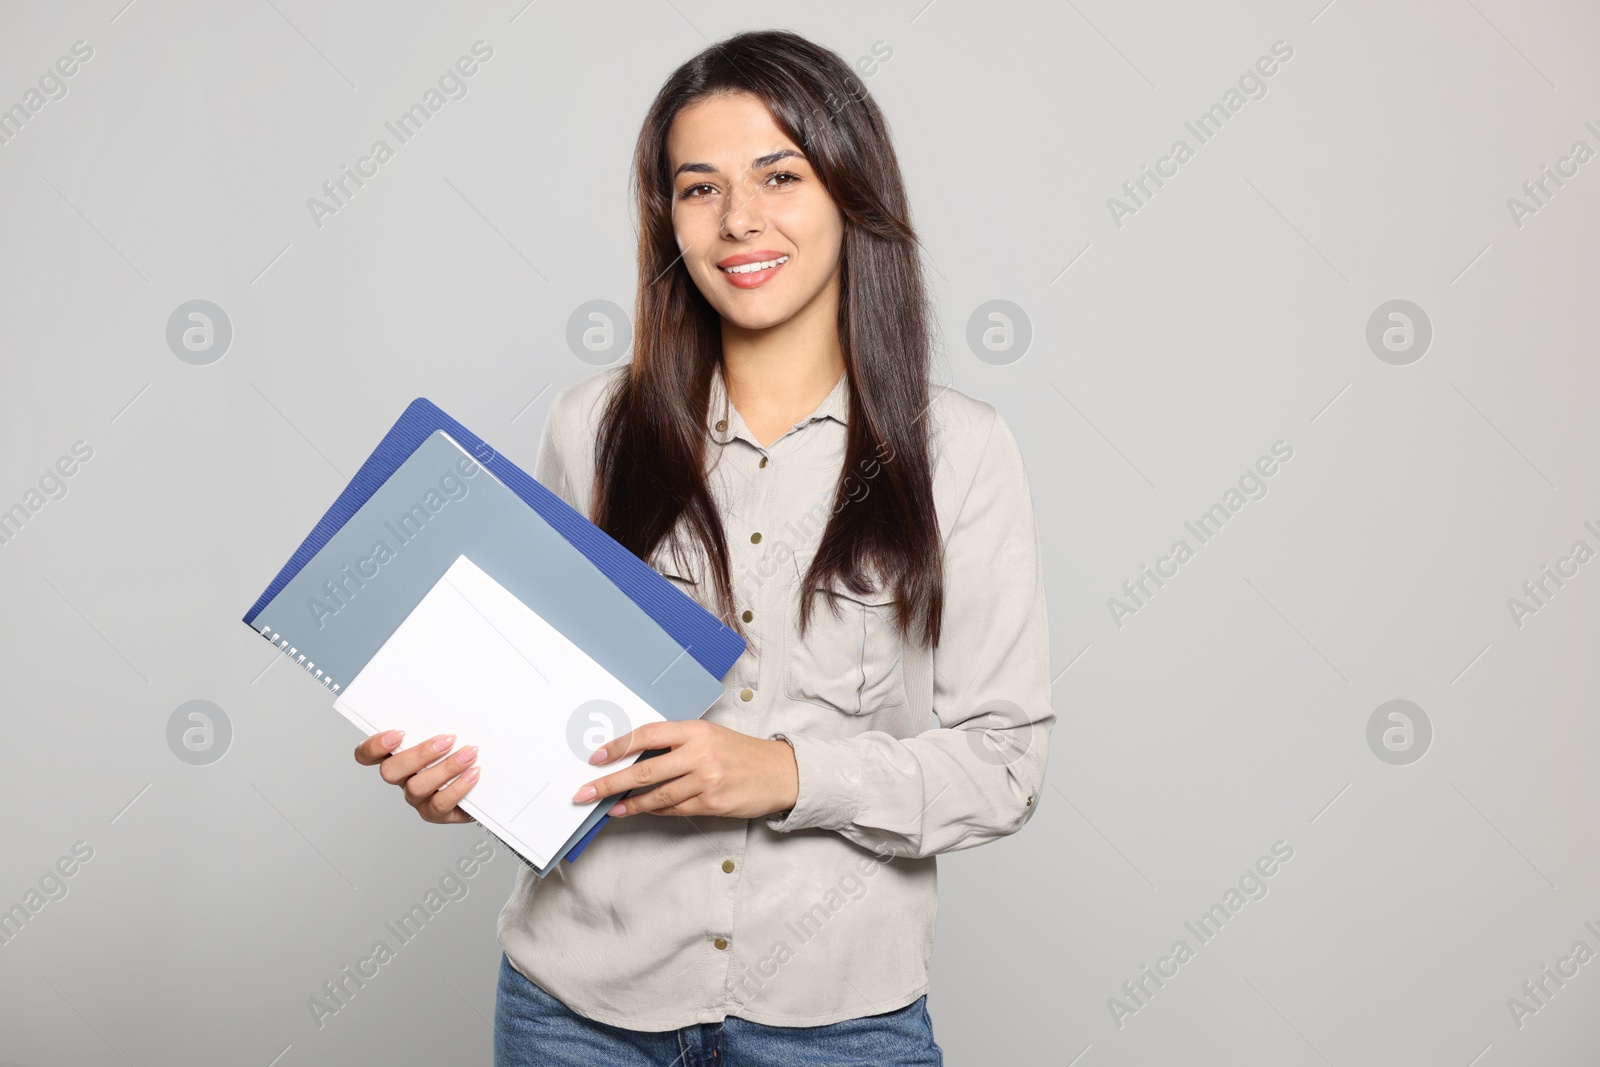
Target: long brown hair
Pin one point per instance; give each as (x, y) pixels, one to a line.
(651, 443)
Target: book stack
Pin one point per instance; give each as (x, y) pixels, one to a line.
(447, 592)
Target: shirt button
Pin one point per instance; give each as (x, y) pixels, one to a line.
(755, 539)
(748, 615)
(721, 942)
(722, 424)
(747, 694)
(763, 462)
(727, 866)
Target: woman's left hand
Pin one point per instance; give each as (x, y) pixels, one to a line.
(711, 770)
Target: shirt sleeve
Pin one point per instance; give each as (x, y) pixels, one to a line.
(549, 465)
(977, 777)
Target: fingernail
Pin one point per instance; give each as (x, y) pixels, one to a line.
(392, 739)
(586, 793)
(467, 755)
(471, 774)
(617, 809)
(598, 755)
(444, 743)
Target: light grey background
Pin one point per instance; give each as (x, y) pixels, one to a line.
(1167, 354)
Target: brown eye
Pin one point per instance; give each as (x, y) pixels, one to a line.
(689, 193)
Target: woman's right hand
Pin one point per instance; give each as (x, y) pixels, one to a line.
(409, 769)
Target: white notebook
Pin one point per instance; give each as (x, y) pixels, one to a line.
(473, 660)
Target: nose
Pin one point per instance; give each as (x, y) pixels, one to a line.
(743, 216)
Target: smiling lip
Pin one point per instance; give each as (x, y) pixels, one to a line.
(749, 279)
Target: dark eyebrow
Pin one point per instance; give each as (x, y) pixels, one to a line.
(755, 164)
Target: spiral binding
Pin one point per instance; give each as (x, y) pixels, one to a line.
(300, 657)
(520, 857)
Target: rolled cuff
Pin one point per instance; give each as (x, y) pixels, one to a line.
(829, 797)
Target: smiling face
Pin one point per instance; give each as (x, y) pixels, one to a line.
(759, 234)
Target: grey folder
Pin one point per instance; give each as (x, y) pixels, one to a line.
(440, 503)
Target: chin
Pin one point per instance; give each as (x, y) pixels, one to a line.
(756, 318)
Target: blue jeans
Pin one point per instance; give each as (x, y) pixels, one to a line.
(534, 1029)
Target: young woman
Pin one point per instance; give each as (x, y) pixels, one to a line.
(776, 449)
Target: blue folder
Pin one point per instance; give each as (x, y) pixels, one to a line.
(704, 638)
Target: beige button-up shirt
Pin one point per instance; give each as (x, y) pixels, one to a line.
(825, 912)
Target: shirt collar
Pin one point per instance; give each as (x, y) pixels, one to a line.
(836, 406)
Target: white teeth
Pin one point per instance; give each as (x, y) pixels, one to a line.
(750, 268)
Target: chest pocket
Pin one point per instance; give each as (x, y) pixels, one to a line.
(850, 658)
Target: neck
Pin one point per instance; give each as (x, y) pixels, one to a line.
(777, 375)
